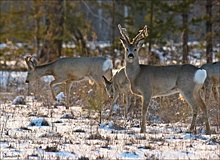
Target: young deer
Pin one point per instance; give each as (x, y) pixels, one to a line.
(212, 81)
(67, 70)
(118, 84)
(151, 81)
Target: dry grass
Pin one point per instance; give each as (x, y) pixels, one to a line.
(169, 109)
(66, 134)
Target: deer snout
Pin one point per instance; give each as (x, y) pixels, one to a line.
(130, 56)
(27, 81)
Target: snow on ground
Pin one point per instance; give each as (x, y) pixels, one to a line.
(11, 77)
(34, 131)
(30, 129)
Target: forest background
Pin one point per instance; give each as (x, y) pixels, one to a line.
(55, 28)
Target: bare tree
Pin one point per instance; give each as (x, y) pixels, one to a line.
(54, 21)
(185, 36)
(209, 49)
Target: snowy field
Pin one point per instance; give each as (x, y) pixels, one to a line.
(35, 130)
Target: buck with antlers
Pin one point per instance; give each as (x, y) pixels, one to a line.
(212, 81)
(67, 70)
(151, 81)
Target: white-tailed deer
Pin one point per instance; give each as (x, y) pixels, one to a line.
(118, 84)
(67, 70)
(150, 81)
(212, 81)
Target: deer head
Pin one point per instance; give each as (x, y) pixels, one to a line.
(132, 47)
(31, 64)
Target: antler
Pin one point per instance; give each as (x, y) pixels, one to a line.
(140, 36)
(123, 32)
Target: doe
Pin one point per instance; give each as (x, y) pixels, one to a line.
(68, 70)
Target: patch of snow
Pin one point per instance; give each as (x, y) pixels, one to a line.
(39, 122)
(67, 116)
(115, 107)
(11, 77)
(60, 97)
(129, 155)
(30, 98)
(19, 100)
(194, 137)
(54, 155)
(213, 141)
(107, 125)
(66, 154)
(3, 45)
(47, 79)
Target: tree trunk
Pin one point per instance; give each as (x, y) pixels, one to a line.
(113, 31)
(151, 25)
(185, 37)
(59, 20)
(209, 50)
(53, 39)
(37, 26)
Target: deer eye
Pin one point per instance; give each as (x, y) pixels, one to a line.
(135, 49)
(127, 49)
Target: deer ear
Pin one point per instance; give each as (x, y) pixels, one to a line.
(32, 65)
(34, 62)
(140, 43)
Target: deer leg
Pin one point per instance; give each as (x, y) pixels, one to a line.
(208, 87)
(54, 82)
(67, 90)
(131, 101)
(215, 92)
(126, 105)
(51, 88)
(145, 104)
(189, 97)
(204, 110)
(115, 98)
(60, 88)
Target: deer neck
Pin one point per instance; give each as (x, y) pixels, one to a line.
(44, 70)
(132, 70)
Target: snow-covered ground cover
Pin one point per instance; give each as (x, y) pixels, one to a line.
(33, 131)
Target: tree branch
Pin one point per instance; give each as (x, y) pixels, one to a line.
(95, 15)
